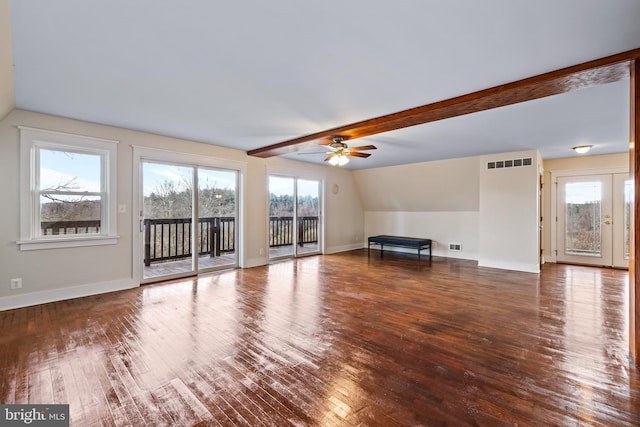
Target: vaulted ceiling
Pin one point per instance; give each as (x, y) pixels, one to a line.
(250, 74)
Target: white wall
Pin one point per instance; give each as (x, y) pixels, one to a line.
(62, 273)
(7, 99)
(492, 214)
(441, 227)
(437, 200)
(439, 186)
(509, 214)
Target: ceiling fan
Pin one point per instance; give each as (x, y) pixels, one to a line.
(338, 152)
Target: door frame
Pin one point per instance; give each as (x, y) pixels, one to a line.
(553, 256)
(141, 153)
(297, 174)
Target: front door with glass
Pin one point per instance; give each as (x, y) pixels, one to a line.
(592, 221)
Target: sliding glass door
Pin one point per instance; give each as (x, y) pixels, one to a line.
(173, 244)
(294, 217)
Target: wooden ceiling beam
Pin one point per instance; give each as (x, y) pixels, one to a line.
(600, 71)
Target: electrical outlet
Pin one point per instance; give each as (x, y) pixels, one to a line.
(16, 283)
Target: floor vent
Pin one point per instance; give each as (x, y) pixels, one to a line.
(456, 247)
(510, 163)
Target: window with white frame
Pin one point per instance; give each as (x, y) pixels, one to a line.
(68, 185)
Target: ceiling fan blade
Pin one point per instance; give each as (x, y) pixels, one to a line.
(363, 147)
(358, 154)
(315, 152)
(330, 156)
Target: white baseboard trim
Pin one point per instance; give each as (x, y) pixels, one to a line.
(60, 294)
(516, 266)
(453, 255)
(344, 248)
(425, 254)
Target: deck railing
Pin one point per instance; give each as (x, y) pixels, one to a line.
(170, 238)
(281, 230)
(49, 228)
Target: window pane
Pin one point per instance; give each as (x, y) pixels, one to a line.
(69, 171)
(61, 214)
(583, 218)
(167, 191)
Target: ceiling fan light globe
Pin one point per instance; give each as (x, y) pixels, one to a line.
(581, 149)
(342, 160)
(334, 160)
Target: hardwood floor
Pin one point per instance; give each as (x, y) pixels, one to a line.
(335, 340)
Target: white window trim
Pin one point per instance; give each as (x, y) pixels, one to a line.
(30, 140)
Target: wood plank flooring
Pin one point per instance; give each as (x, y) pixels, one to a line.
(335, 340)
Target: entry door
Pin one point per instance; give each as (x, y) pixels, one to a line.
(591, 220)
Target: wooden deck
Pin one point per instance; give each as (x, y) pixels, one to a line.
(284, 251)
(335, 340)
(161, 269)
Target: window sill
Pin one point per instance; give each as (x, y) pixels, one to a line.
(66, 242)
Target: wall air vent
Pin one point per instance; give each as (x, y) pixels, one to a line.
(456, 247)
(510, 163)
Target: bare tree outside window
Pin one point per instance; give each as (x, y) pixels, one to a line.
(70, 196)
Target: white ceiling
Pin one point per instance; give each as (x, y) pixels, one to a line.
(247, 74)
